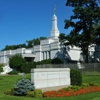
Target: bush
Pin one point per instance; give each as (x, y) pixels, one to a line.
(16, 61)
(13, 73)
(9, 92)
(38, 93)
(50, 61)
(74, 88)
(57, 61)
(85, 85)
(1, 67)
(47, 61)
(26, 67)
(38, 63)
(30, 94)
(76, 77)
(35, 93)
(93, 84)
(67, 88)
(22, 87)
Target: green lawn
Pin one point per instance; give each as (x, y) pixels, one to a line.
(6, 82)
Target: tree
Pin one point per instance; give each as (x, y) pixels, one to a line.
(62, 36)
(30, 44)
(85, 14)
(13, 47)
(97, 30)
(16, 61)
(57, 61)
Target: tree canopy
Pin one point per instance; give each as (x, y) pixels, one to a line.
(86, 13)
(28, 44)
(16, 61)
(62, 36)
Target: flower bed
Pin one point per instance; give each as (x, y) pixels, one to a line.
(71, 91)
(64, 92)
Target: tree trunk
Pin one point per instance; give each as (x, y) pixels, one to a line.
(87, 55)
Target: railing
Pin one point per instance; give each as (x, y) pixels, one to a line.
(85, 69)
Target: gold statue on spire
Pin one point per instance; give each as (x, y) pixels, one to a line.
(54, 10)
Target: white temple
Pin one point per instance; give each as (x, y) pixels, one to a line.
(48, 49)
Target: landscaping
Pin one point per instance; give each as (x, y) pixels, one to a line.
(73, 91)
(7, 82)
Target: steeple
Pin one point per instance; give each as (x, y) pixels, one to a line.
(54, 10)
(54, 31)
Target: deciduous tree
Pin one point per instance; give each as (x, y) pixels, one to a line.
(85, 14)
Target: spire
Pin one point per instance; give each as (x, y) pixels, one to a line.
(54, 31)
(54, 10)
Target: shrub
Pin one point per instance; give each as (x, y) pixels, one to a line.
(76, 77)
(57, 61)
(13, 72)
(9, 92)
(1, 67)
(50, 61)
(47, 61)
(85, 85)
(38, 63)
(22, 87)
(30, 94)
(26, 67)
(38, 93)
(67, 88)
(93, 84)
(35, 93)
(16, 61)
(75, 88)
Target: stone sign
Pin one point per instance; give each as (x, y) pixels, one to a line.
(50, 77)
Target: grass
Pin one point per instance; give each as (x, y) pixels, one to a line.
(91, 73)
(93, 79)
(6, 82)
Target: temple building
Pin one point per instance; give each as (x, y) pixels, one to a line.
(48, 49)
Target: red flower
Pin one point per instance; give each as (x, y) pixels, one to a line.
(64, 93)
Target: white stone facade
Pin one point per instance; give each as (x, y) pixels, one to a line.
(5, 55)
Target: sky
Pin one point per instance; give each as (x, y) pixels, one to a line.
(22, 20)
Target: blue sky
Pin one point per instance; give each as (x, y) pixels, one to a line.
(22, 20)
